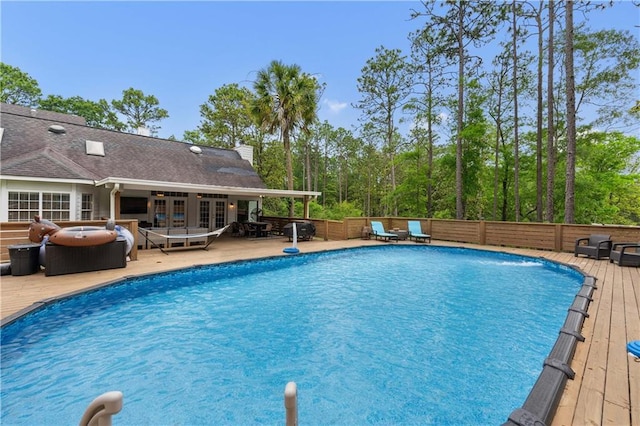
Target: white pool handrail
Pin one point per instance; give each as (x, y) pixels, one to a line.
(291, 404)
(99, 412)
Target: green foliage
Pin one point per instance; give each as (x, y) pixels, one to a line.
(607, 178)
(271, 166)
(278, 207)
(607, 64)
(97, 114)
(226, 120)
(336, 212)
(18, 87)
(139, 110)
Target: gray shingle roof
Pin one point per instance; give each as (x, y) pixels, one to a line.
(29, 149)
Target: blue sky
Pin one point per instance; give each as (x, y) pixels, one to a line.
(181, 52)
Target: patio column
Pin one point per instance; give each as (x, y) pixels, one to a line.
(305, 202)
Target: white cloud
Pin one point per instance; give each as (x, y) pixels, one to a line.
(334, 106)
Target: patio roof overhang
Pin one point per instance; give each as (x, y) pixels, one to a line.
(146, 185)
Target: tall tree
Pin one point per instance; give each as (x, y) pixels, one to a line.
(463, 24)
(18, 87)
(536, 12)
(569, 197)
(286, 100)
(140, 110)
(500, 111)
(516, 139)
(225, 117)
(430, 69)
(551, 149)
(385, 84)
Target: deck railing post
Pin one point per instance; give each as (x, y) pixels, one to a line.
(558, 237)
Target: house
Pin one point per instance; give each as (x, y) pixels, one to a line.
(55, 166)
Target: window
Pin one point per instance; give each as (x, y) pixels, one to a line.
(23, 206)
(55, 206)
(86, 210)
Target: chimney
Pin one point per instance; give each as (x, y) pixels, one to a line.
(144, 131)
(246, 152)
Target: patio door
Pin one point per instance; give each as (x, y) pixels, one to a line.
(169, 212)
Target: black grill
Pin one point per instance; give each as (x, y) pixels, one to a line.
(306, 230)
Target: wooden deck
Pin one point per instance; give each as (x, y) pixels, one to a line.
(605, 391)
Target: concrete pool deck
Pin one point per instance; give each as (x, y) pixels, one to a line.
(606, 389)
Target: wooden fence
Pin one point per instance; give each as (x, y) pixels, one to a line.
(543, 236)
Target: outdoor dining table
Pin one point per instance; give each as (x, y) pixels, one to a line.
(260, 228)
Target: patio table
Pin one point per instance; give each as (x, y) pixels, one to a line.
(401, 233)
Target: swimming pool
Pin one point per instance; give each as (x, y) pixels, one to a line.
(384, 334)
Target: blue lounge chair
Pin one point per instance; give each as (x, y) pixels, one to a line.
(379, 232)
(415, 232)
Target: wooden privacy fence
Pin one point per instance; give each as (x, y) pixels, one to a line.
(18, 233)
(543, 236)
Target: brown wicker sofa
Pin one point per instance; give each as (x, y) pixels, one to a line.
(61, 260)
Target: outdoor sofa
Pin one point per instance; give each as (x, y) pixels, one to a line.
(61, 260)
(625, 254)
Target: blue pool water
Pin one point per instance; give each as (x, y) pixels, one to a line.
(378, 335)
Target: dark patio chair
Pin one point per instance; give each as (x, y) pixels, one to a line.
(595, 245)
(625, 254)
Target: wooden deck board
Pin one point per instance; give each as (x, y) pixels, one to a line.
(606, 389)
(631, 286)
(616, 407)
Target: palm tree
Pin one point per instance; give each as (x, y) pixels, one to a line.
(286, 100)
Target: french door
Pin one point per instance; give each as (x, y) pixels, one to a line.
(170, 212)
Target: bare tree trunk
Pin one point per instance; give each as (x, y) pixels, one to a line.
(289, 161)
(308, 162)
(569, 196)
(461, 56)
(496, 161)
(339, 183)
(392, 157)
(539, 118)
(430, 165)
(324, 174)
(551, 151)
(516, 141)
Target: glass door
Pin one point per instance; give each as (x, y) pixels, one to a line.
(160, 213)
(178, 213)
(169, 212)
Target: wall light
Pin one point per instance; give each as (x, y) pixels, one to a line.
(230, 205)
(160, 194)
(199, 196)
